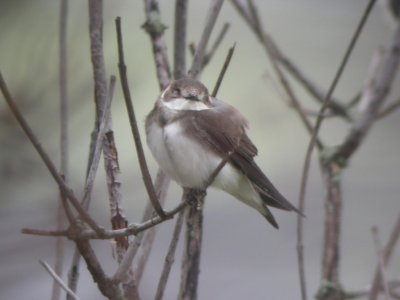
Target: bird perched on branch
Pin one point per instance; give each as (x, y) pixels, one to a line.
(190, 132)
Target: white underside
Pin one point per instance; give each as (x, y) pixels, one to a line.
(190, 164)
(184, 104)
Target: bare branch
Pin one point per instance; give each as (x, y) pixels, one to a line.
(270, 49)
(59, 243)
(381, 264)
(180, 38)
(387, 253)
(41, 232)
(96, 144)
(372, 99)
(147, 237)
(248, 16)
(193, 242)
(335, 105)
(169, 259)
(135, 131)
(389, 109)
(223, 70)
(58, 280)
(209, 55)
(108, 287)
(45, 158)
(155, 28)
(330, 264)
(198, 59)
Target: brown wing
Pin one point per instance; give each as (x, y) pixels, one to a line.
(224, 129)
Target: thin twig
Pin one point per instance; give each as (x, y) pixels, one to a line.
(223, 70)
(96, 143)
(59, 243)
(41, 232)
(312, 88)
(381, 263)
(372, 99)
(335, 105)
(131, 229)
(271, 52)
(388, 110)
(107, 286)
(198, 59)
(180, 38)
(169, 259)
(209, 55)
(45, 158)
(387, 253)
(147, 237)
(58, 280)
(126, 262)
(135, 131)
(310, 150)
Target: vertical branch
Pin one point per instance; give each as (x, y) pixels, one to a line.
(180, 38)
(194, 213)
(155, 28)
(132, 120)
(387, 253)
(96, 54)
(96, 143)
(201, 48)
(193, 242)
(156, 33)
(59, 246)
(169, 259)
(100, 96)
(333, 210)
(146, 238)
(381, 263)
(118, 219)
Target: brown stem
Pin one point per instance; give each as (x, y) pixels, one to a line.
(180, 38)
(223, 70)
(372, 99)
(59, 243)
(330, 288)
(170, 258)
(198, 59)
(147, 237)
(135, 131)
(387, 253)
(155, 28)
(66, 190)
(192, 252)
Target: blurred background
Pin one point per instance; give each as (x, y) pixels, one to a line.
(243, 257)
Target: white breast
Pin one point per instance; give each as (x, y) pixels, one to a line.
(184, 104)
(183, 159)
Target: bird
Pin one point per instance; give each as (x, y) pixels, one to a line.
(189, 132)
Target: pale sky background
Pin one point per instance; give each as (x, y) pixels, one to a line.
(243, 256)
